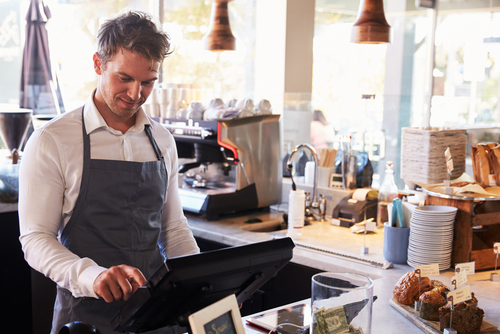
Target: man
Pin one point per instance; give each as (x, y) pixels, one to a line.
(98, 202)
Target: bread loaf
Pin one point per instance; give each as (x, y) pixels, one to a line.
(467, 318)
(407, 290)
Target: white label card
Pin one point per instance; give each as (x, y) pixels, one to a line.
(496, 247)
(468, 267)
(459, 295)
(428, 270)
(459, 279)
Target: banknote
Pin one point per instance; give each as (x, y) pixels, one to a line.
(330, 321)
(319, 319)
(336, 320)
(355, 330)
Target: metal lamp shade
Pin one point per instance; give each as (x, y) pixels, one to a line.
(371, 27)
(219, 36)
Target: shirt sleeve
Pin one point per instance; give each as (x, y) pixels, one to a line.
(176, 238)
(41, 196)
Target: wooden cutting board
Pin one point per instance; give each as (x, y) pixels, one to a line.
(432, 327)
(429, 327)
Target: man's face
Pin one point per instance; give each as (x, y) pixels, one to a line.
(125, 83)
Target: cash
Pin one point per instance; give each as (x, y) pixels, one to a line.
(354, 330)
(331, 321)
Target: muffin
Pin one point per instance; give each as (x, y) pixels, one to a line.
(406, 290)
(431, 301)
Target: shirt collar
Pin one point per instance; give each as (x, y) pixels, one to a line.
(94, 120)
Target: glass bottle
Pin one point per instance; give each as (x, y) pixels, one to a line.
(387, 192)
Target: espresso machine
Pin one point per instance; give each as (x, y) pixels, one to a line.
(228, 166)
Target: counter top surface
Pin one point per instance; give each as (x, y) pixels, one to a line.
(332, 248)
(8, 207)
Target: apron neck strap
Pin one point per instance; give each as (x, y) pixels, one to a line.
(147, 129)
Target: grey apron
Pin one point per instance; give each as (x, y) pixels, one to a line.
(116, 220)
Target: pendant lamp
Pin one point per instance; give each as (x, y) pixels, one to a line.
(371, 27)
(219, 36)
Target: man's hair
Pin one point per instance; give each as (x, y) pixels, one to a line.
(134, 31)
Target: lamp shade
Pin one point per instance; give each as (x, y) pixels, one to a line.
(219, 36)
(371, 27)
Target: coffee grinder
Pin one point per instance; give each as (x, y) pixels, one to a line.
(13, 129)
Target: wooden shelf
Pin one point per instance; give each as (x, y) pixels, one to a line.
(468, 244)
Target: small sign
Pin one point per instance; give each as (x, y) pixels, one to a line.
(468, 267)
(459, 295)
(428, 270)
(496, 247)
(460, 278)
(222, 317)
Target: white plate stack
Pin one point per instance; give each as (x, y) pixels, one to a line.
(431, 236)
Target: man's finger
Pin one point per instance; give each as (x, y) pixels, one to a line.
(135, 285)
(105, 293)
(134, 273)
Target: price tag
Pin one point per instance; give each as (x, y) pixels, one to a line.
(460, 295)
(459, 279)
(468, 267)
(496, 247)
(428, 270)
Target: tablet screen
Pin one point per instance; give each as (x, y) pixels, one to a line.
(299, 315)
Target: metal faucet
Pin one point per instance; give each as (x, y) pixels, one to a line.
(314, 203)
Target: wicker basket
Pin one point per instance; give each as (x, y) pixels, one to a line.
(422, 154)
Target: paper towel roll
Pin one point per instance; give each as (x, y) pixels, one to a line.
(309, 173)
(296, 208)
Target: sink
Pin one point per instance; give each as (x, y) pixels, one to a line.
(265, 226)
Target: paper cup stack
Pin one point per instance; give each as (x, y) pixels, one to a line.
(431, 236)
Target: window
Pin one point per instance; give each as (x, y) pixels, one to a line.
(465, 75)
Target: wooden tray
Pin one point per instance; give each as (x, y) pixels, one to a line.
(429, 327)
(432, 327)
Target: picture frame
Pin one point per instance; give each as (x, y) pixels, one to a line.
(222, 317)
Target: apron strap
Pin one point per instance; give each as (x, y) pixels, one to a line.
(147, 129)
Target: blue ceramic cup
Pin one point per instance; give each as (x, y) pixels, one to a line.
(396, 243)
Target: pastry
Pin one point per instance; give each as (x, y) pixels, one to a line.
(431, 301)
(406, 290)
(467, 318)
(438, 284)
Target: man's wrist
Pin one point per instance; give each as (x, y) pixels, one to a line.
(87, 279)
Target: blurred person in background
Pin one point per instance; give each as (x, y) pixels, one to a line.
(322, 133)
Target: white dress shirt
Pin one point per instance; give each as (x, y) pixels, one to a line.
(49, 184)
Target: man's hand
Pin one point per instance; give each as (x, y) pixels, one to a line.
(118, 282)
